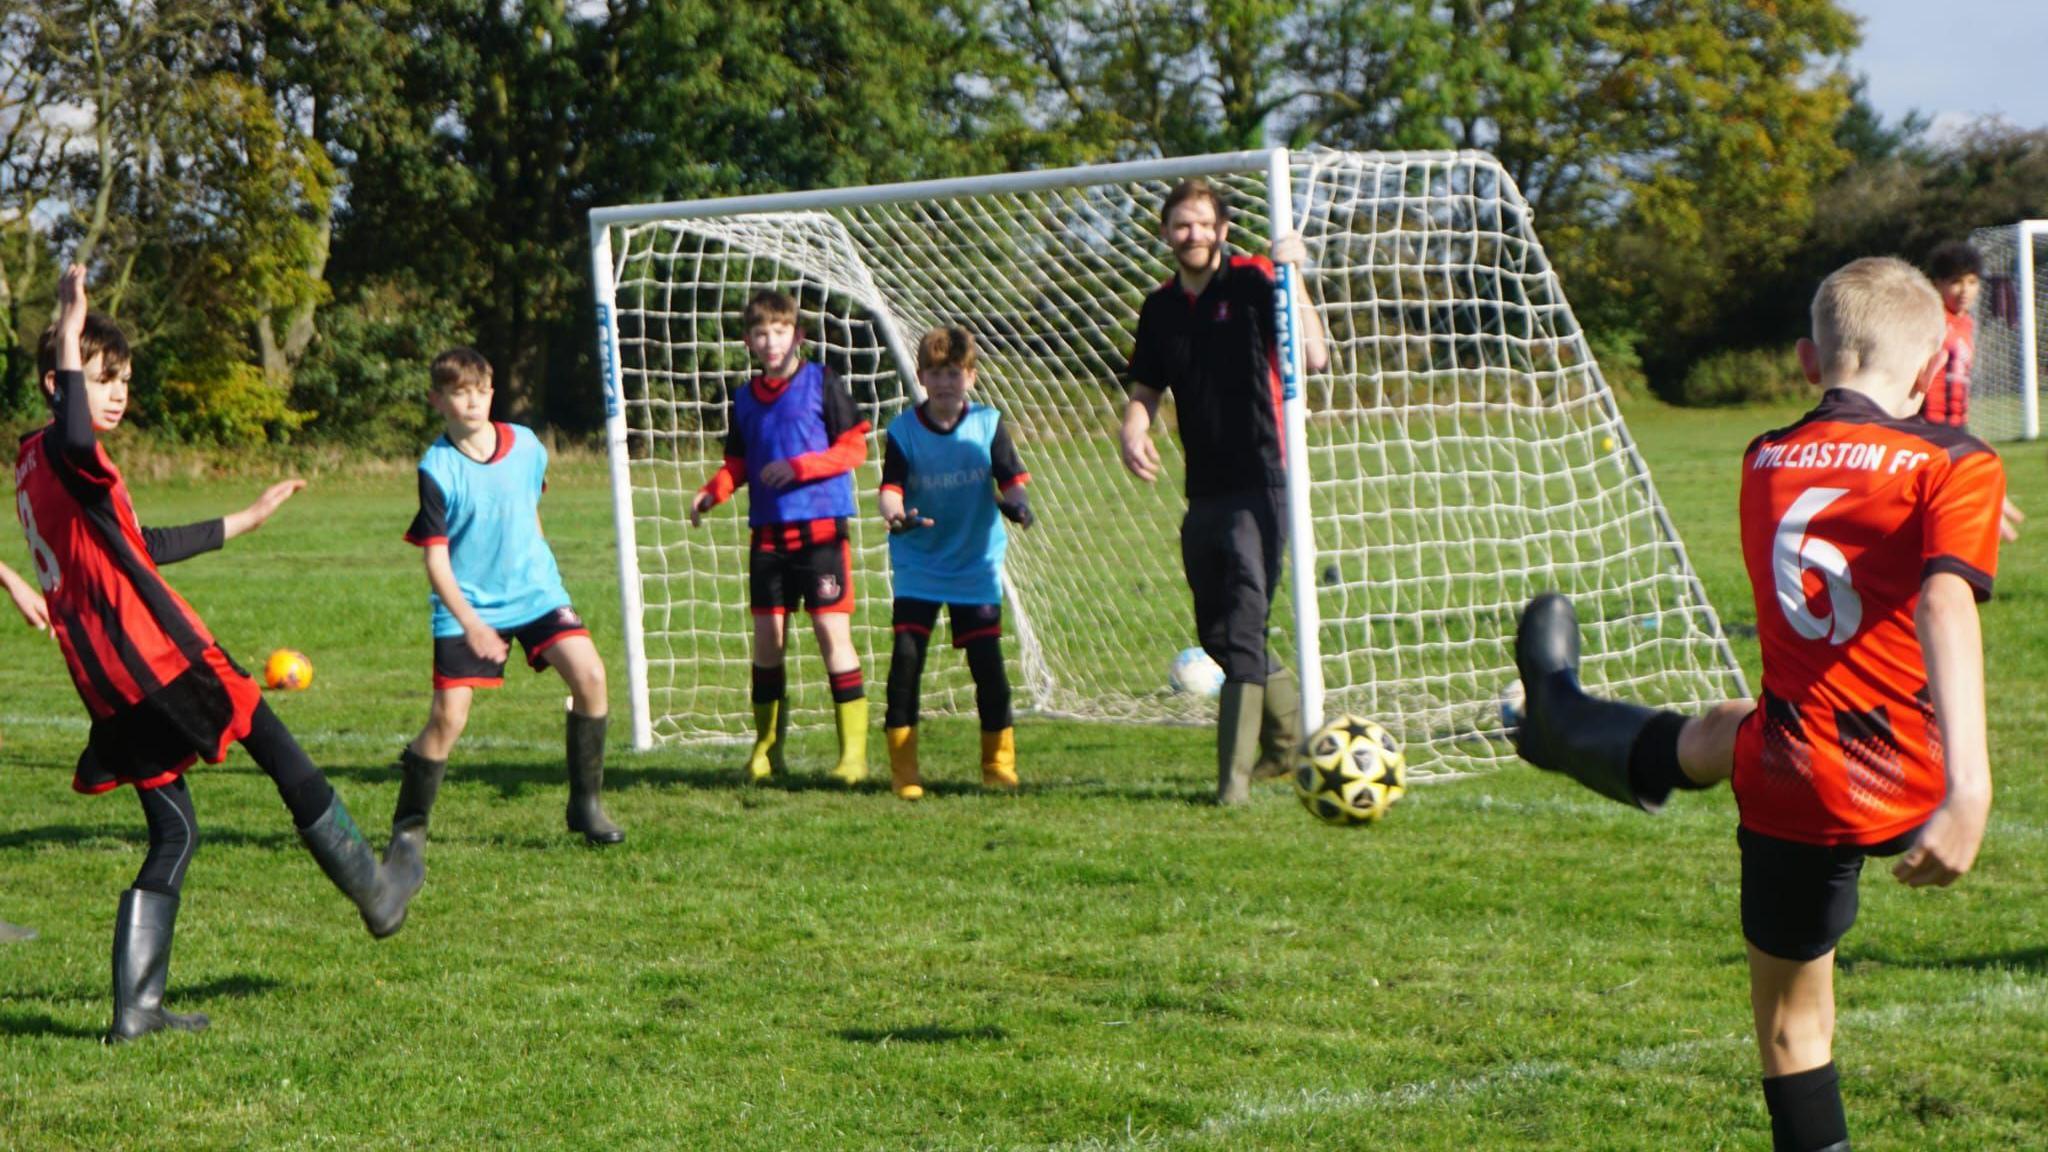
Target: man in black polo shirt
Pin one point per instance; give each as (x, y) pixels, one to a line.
(1209, 336)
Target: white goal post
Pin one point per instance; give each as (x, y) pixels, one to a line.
(2005, 383)
(1461, 454)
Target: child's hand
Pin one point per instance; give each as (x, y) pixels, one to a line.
(907, 521)
(29, 603)
(1016, 507)
(486, 643)
(1948, 844)
(2009, 520)
(779, 474)
(1141, 457)
(1289, 249)
(71, 309)
(698, 507)
(251, 518)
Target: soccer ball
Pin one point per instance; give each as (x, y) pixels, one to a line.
(1351, 772)
(287, 669)
(1194, 673)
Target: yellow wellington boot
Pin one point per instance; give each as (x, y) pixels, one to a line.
(853, 742)
(903, 778)
(999, 759)
(771, 727)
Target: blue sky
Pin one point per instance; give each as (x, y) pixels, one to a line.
(1955, 59)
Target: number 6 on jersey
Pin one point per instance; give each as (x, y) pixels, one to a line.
(1794, 552)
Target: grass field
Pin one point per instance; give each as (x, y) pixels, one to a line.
(1101, 962)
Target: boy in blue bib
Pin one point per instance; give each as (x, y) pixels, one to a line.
(794, 439)
(494, 580)
(943, 464)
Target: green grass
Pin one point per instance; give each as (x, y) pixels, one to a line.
(1100, 962)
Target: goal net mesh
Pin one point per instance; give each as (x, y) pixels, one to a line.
(1464, 451)
(1997, 377)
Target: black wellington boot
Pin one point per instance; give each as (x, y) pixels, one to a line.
(1279, 726)
(381, 891)
(1238, 708)
(586, 780)
(1563, 729)
(416, 792)
(142, 965)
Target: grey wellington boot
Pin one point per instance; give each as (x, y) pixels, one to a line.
(1238, 708)
(416, 792)
(381, 891)
(142, 966)
(1563, 729)
(586, 780)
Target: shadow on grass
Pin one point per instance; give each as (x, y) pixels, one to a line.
(513, 781)
(138, 835)
(920, 1034)
(226, 988)
(2033, 961)
(42, 1024)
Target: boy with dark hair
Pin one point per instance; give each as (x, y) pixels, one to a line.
(30, 604)
(794, 435)
(1957, 272)
(1870, 536)
(942, 466)
(161, 692)
(1210, 336)
(493, 579)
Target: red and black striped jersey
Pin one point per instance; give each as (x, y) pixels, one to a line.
(1948, 399)
(125, 634)
(1844, 516)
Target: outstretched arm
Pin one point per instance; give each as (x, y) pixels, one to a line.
(1952, 638)
(251, 518)
(27, 600)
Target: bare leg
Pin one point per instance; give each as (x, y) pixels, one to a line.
(1706, 748)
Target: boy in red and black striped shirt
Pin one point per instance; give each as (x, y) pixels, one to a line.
(161, 692)
(1870, 536)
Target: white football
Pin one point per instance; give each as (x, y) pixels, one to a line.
(1195, 674)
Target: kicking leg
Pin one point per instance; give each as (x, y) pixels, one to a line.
(849, 693)
(576, 658)
(771, 708)
(381, 891)
(1623, 751)
(148, 915)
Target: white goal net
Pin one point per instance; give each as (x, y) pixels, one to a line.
(1463, 452)
(2005, 376)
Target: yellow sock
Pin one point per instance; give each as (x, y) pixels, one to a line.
(853, 741)
(903, 777)
(999, 759)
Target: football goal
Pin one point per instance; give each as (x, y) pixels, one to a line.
(2005, 381)
(1461, 454)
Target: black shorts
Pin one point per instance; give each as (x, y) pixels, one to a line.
(817, 577)
(152, 742)
(1230, 547)
(1798, 900)
(971, 622)
(455, 666)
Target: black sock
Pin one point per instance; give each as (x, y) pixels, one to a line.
(991, 683)
(906, 669)
(1653, 769)
(848, 686)
(1806, 1110)
(768, 684)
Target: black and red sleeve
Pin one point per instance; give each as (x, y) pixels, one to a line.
(1003, 459)
(1960, 526)
(895, 466)
(845, 429)
(1147, 365)
(430, 523)
(78, 450)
